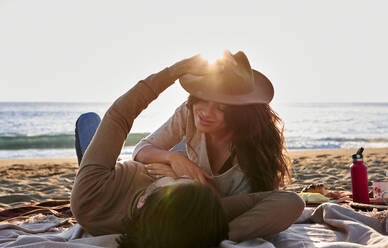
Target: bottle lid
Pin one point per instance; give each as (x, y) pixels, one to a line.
(358, 155)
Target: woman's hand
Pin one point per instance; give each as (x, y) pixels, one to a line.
(195, 65)
(184, 167)
(180, 166)
(158, 170)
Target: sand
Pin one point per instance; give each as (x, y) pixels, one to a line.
(30, 180)
(331, 167)
(23, 181)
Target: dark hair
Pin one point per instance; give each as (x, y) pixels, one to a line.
(258, 143)
(182, 215)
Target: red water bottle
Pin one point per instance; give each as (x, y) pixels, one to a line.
(359, 176)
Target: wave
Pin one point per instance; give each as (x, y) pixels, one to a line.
(367, 140)
(333, 142)
(60, 141)
(66, 141)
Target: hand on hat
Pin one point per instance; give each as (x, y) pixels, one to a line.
(195, 65)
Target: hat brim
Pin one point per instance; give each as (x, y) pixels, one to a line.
(262, 91)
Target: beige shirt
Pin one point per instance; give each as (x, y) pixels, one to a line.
(181, 125)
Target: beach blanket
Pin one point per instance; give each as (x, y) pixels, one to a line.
(59, 208)
(329, 225)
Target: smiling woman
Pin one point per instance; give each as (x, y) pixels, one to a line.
(234, 140)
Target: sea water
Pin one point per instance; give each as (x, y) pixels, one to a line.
(38, 130)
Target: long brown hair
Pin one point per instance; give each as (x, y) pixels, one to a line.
(258, 143)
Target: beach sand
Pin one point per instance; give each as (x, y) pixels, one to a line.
(23, 181)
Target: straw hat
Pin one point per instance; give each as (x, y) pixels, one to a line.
(236, 84)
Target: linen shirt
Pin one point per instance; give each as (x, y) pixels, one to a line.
(181, 125)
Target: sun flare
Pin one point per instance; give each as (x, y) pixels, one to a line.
(211, 56)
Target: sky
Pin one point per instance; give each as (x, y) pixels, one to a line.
(93, 50)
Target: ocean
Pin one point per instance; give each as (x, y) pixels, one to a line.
(39, 130)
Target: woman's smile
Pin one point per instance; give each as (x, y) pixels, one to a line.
(205, 121)
(209, 117)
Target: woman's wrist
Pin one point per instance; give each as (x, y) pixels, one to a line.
(173, 156)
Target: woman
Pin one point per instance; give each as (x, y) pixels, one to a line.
(232, 135)
(111, 196)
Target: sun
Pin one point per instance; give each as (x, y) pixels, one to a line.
(211, 55)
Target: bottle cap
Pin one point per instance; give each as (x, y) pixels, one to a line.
(358, 155)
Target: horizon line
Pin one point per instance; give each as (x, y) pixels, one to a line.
(280, 102)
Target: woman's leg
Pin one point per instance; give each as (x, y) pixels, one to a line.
(85, 127)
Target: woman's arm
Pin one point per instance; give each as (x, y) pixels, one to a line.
(181, 166)
(154, 150)
(155, 147)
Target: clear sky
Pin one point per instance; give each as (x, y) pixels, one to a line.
(93, 50)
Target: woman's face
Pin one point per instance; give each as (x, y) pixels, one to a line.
(209, 117)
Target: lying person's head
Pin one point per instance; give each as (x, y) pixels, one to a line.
(181, 215)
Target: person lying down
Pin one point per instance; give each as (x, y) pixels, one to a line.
(181, 211)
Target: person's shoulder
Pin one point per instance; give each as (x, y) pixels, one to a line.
(182, 110)
(182, 107)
